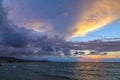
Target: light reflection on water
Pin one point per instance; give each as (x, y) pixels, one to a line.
(60, 71)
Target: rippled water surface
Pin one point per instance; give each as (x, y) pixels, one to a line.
(60, 71)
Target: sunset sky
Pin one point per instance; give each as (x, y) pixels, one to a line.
(72, 20)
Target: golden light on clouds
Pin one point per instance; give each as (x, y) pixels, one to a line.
(83, 28)
(96, 16)
(36, 25)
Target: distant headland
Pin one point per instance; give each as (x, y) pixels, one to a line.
(14, 60)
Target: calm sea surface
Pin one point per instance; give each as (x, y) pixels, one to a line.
(60, 71)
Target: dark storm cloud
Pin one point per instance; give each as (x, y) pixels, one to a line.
(59, 14)
(18, 41)
(10, 36)
(15, 39)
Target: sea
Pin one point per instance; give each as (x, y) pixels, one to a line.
(60, 71)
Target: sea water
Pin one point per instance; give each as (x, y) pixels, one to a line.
(60, 71)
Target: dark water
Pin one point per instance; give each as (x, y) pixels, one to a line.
(60, 71)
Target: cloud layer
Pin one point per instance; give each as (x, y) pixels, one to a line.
(96, 15)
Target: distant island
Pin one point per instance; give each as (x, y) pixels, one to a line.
(13, 60)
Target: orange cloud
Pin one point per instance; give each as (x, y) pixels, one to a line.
(96, 16)
(36, 25)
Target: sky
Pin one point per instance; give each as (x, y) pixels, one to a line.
(24, 21)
